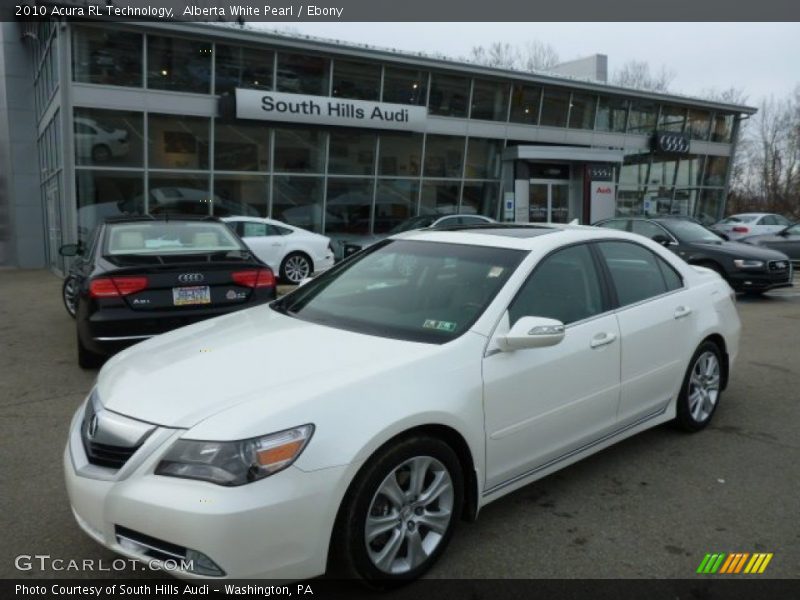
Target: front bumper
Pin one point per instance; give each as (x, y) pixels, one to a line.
(760, 281)
(276, 528)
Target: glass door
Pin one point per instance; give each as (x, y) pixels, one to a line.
(548, 201)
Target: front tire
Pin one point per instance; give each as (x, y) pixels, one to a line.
(701, 388)
(399, 513)
(296, 267)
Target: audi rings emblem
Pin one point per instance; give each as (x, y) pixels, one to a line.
(672, 142)
(191, 277)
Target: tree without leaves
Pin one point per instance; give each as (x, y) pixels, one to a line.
(636, 74)
(533, 56)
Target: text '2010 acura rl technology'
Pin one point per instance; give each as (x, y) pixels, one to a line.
(349, 425)
(141, 276)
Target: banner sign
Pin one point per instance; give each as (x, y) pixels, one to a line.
(326, 110)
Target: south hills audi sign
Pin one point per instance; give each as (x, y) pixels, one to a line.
(324, 110)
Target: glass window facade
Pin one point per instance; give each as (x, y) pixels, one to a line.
(108, 138)
(405, 86)
(555, 107)
(178, 142)
(178, 64)
(525, 102)
(612, 114)
(489, 100)
(449, 95)
(582, 111)
(236, 66)
(301, 74)
(241, 146)
(339, 180)
(357, 80)
(444, 156)
(107, 57)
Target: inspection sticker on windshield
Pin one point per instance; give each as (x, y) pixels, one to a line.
(495, 272)
(439, 325)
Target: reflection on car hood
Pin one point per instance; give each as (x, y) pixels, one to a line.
(182, 377)
(739, 250)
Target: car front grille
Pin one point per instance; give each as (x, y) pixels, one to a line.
(105, 455)
(110, 439)
(778, 265)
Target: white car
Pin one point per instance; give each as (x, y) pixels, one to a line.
(746, 224)
(98, 142)
(292, 252)
(353, 422)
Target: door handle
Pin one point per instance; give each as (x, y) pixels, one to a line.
(682, 311)
(276, 244)
(602, 339)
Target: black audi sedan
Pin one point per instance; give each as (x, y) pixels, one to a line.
(137, 277)
(746, 268)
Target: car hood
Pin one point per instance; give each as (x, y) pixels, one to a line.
(183, 377)
(740, 250)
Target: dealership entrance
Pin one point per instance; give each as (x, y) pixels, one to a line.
(548, 201)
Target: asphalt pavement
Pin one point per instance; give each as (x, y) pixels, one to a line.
(649, 507)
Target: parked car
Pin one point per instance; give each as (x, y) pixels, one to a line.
(293, 252)
(98, 142)
(434, 221)
(353, 422)
(141, 276)
(787, 241)
(747, 224)
(745, 267)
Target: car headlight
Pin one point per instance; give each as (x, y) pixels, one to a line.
(743, 263)
(235, 463)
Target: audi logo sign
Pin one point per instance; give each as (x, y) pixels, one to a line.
(671, 143)
(191, 277)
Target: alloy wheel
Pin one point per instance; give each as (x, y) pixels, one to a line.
(70, 293)
(704, 384)
(409, 515)
(296, 268)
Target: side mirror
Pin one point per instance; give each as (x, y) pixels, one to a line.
(661, 239)
(532, 332)
(70, 250)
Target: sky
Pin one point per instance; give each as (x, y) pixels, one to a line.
(762, 59)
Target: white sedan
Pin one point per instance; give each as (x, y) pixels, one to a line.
(351, 424)
(291, 252)
(739, 226)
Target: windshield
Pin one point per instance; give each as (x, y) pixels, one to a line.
(410, 290)
(688, 231)
(414, 223)
(170, 237)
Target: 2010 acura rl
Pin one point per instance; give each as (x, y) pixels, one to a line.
(352, 423)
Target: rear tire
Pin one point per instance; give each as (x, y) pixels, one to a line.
(88, 359)
(410, 495)
(69, 293)
(296, 267)
(701, 389)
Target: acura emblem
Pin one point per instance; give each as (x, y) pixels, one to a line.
(92, 429)
(191, 277)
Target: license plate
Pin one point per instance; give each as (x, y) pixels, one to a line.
(196, 294)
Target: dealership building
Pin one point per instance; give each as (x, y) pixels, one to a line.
(106, 118)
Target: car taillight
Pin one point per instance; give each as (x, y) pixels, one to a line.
(256, 278)
(112, 287)
(740, 229)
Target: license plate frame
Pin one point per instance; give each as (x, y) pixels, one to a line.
(192, 295)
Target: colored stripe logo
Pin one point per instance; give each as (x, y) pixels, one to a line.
(734, 563)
